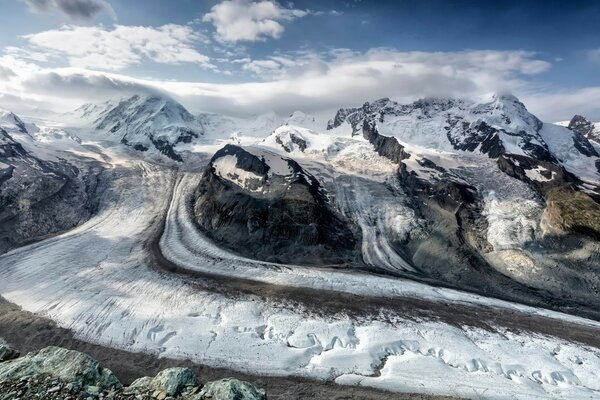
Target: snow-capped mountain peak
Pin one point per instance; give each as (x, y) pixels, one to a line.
(9, 121)
(495, 125)
(584, 127)
(145, 122)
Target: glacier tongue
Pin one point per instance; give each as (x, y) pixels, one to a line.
(131, 305)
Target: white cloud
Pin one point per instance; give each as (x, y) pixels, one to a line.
(117, 48)
(74, 9)
(310, 82)
(259, 67)
(562, 105)
(244, 20)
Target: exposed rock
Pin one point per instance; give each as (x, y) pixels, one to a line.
(294, 140)
(172, 381)
(387, 147)
(7, 353)
(268, 207)
(540, 175)
(55, 373)
(231, 389)
(581, 125)
(585, 131)
(40, 197)
(571, 210)
(67, 365)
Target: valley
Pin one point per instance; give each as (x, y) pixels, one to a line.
(448, 259)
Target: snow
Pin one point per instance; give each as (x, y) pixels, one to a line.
(277, 165)
(225, 167)
(536, 174)
(98, 281)
(561, 144)
(128, 304)
(511, 222)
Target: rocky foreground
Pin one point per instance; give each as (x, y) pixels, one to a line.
(58, 373)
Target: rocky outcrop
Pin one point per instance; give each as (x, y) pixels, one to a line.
(581, 125)
(40, 197)
(55, 373)
(172, 382)
(584, 129)
(267, 207)
(7, 353)
(540, 175)
(231, 389)
(385, 146)
(70, 366)
(571, 210)
(295, 141)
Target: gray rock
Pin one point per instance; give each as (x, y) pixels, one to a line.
(6, 353)
(230, 389)
(66, 365)
(271, 217)
(171, 382)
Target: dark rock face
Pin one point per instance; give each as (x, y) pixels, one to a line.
(39, 197)
(8, 353)
(272, 217)
(464, 137)
(385, 146)
(550, 174)
(584, 146)
(298, 141)
(581, 125)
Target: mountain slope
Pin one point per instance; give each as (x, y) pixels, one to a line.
(146, 123)
(268, 207)
(39, 197)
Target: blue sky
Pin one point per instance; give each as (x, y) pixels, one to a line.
(247, 56)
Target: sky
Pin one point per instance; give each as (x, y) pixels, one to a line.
(245, 57)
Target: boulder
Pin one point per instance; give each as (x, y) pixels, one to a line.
(67, 365)
(171, 382)
(7, 353)
(230, 389)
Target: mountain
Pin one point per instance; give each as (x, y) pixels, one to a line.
(37, 196)
(584, 127)
(280, 245)
(497, 126)
(9, 121)
(268, 207)
(146, 123)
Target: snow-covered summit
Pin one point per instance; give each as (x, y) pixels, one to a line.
(10, 122)
(583, 126)
(494, 125)
(144, 122)
(295, 140)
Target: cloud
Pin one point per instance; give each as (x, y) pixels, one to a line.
(80, 10)
(243, 20)
(562, 105)
(261, 66)
(310, 82)
(117, 48)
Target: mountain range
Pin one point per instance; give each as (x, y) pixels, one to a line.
(468, 197)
